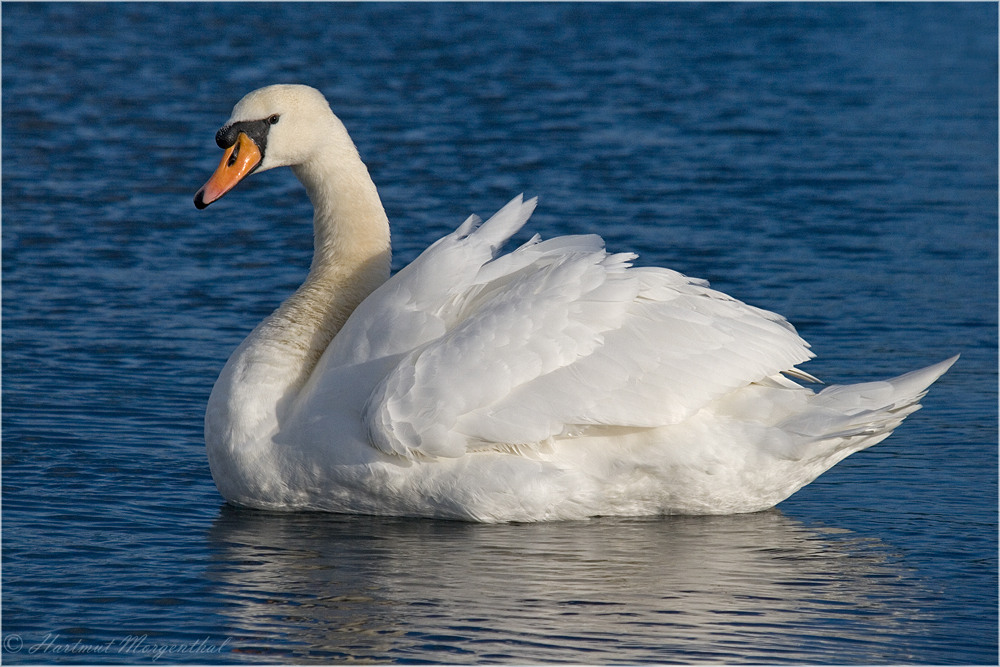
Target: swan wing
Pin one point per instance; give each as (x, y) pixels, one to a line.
(411, 308)
(486, 352)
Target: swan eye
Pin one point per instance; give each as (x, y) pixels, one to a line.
(273, 119)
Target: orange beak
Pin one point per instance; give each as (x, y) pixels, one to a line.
(239, 160)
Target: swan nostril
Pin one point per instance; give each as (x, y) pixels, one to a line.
(233, 155)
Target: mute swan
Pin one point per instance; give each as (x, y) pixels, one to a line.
(552, 382)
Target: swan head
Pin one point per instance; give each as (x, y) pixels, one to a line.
(275, 126)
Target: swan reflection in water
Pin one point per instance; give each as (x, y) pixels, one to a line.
(728, 588)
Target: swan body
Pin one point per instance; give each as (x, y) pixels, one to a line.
(553, 382)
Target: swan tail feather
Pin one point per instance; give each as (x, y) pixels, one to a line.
(843, 419)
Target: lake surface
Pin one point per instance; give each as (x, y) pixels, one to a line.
(836, 163)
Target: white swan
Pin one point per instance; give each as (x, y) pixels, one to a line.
(553, 382)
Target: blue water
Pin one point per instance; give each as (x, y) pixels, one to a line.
(836, 163)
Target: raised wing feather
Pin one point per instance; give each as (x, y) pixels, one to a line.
(414, 306)
(552, 337)
(679, 346)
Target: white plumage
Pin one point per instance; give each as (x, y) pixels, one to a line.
(556, 381)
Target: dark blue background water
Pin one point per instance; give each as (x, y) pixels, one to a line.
(835, 163)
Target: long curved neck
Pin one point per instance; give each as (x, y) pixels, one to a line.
(351, 255)
(351, 258)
